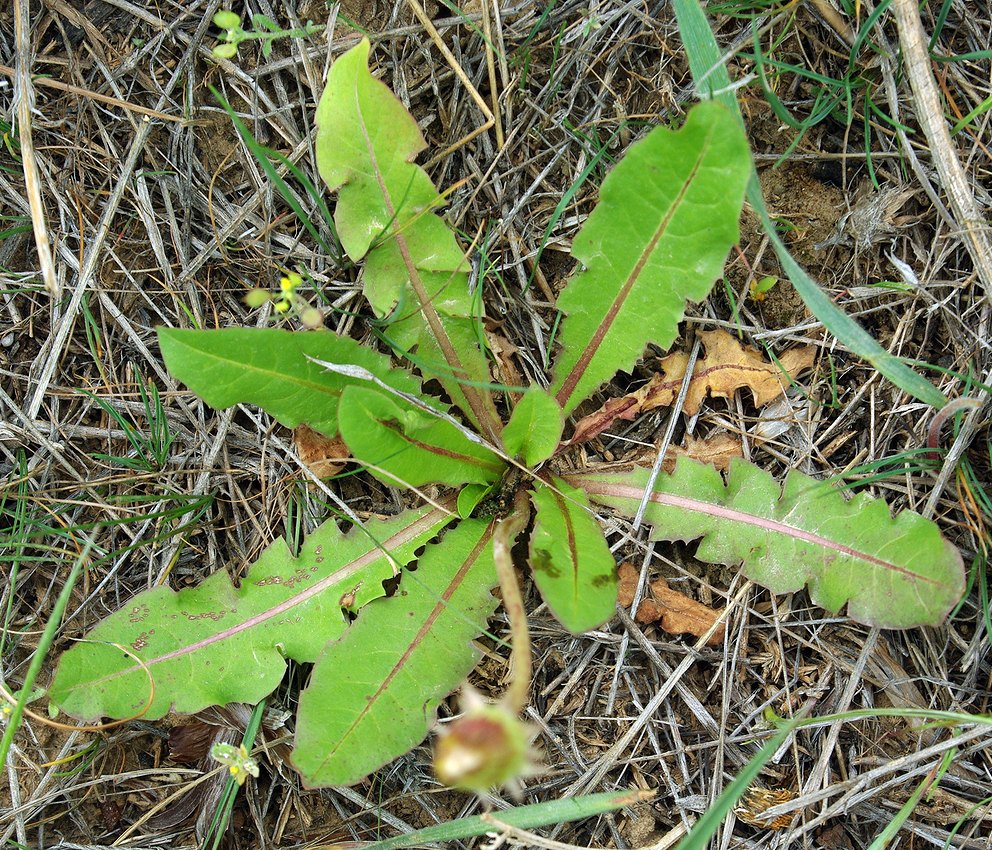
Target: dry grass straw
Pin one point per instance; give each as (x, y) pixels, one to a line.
(157, 215)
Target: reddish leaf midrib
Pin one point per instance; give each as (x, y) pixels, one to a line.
(594, 488)
(439, 608)
(592, 347)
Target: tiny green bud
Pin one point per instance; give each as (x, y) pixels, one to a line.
(225, 51)
(227, 20)
(257, 297)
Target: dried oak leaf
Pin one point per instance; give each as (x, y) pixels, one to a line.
(727, 367)
(674, 612)
(325, 456)
(718, 450)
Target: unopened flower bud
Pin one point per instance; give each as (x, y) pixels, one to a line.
(484, 748)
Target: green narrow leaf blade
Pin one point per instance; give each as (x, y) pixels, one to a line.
(521, 817)
(572, 564)
(894, 573)
(216, 643)
(406, 447)
(535, 427)
(269, 367)
(374, 692)
(666, 218)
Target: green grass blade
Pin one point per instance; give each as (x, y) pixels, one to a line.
(523, 817)
(44, 644)
(706, 827)
(264, 156)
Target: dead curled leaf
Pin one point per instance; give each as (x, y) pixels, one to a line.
(717, 450)
(674, 612)
(727, 367)
(324, 456)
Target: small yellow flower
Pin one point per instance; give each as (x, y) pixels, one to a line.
(238, 762)
(290, 282)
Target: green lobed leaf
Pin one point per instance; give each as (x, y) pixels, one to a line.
(374, 692)
(666, 218)
(407, 447)
(216, 643)
(366, 143)
(269, 367)
(572, 564)
(893, 573)
(415, 271)
(535, 427)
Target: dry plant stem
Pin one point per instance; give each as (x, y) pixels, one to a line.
(480, 101)
(487, 29)
(24, 97)
(595, 774)
(52, 352)
(505, 534)
(92, 95)
(930, 114)
(525, 838)
(832, 17)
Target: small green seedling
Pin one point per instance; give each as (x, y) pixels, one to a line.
(264, 30)
(666, 220)
(759, 289)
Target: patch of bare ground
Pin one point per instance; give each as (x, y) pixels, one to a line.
(158, 215)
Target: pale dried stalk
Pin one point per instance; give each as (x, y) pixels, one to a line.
(930, 114)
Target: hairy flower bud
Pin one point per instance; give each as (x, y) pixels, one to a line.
(484, 748)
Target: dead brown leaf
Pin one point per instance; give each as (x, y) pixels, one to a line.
(717, 450)
(674, 612)
(325, 456)
(726, 367)
(504, 368)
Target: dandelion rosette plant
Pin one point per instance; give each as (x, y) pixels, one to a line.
(666, 218)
